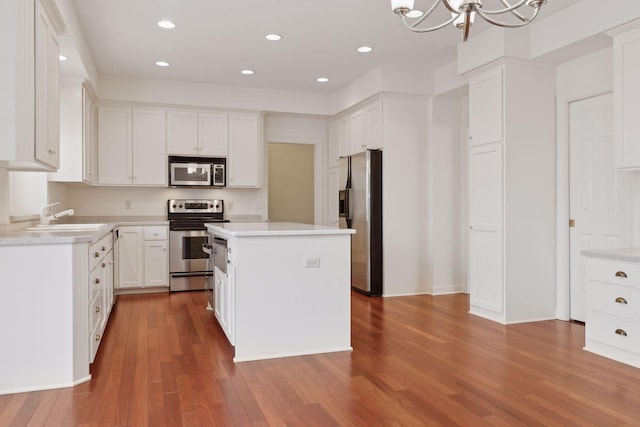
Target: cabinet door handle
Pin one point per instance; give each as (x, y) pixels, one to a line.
(621, 274)
(104, 248)
(621, 300)
(98, 337)
(621, 332)
(104, 265)
(97, 254)
(97, 281)
(97, 309)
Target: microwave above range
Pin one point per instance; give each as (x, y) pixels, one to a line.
(197, 171)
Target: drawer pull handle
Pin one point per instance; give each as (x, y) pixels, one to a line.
(621, 274)
(104, 265)
(97, 281)
(97, 254)
(98, 337)
(621, 332)
(621, 300)
(97, 309)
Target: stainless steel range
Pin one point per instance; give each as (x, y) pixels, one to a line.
(188, 267)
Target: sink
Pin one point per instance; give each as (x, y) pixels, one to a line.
(65, 227)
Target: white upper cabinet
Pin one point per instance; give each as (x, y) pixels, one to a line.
(77, 133)
(626, 97)
(486, 107)
(360, 130)
(29, 116)
(191, 133)
(182, 133)
(213, 134)
(334, 144)
(245, 154)
(131, 146)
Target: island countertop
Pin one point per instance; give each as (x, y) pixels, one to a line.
(253, 229)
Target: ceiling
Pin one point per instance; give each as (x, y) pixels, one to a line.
(214, 40)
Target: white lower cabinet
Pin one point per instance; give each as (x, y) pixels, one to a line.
(143, 257)
(225, 301)
(612, 327)
(100, 290)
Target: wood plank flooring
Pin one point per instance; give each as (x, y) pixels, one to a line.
(417, 361)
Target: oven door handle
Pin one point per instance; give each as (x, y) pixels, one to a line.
(194, 274)
(207, 248)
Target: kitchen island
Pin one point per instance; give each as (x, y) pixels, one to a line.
(286, 289)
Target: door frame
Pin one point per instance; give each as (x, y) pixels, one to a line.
(563, 288)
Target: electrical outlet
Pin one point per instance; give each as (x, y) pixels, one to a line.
(127, 205)
(312, 262)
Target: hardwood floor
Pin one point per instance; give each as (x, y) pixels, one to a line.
(417, 361)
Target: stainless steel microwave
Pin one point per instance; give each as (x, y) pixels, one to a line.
(197, 171)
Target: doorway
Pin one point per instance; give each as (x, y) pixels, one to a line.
(599, 195)
(291, 182)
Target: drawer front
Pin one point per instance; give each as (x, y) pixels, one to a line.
(96, 312)
(620, 301)
(95, 337)
(614, 331)
(617, 272)
(99, 249)
(96, 284)
(156, 233)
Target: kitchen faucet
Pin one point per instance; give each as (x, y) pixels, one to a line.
(44, 218)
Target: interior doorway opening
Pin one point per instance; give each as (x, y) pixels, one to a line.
(291, 182)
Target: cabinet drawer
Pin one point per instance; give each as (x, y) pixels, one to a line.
(95, 282)
(99, 249)
(614, 331)
(96, 311)
(95, 337)
(155, 233)
(617, 272)
(616, 300)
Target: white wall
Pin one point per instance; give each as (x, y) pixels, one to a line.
(447, 198)
(4, 196)
(152, 201)
(28, 192)
(404, 189)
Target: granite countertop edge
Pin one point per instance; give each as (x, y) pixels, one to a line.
(623, 254)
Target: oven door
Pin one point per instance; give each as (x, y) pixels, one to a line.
(185, 251)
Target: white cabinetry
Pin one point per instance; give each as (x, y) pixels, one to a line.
(626, 95)
(100, 290)
(131, 146)
(512, 193)
(334, 144)
(29, 105)
(197, 133)
(245, 151)
(345, 136)
(358, 131)
(143, 257)
(332, 202)
(77, 133)
(613, 310)
(224, 300)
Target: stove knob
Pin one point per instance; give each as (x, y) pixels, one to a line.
(180, 206)
(174, 206)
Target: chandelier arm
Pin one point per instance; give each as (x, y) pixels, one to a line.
(413, 28)
(515, 12)
(423, 17)
(449, 7)
(505, 24)
(509, 8)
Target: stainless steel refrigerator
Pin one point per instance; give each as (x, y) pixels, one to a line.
(360, 207)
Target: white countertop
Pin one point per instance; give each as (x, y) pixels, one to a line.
(24, 237)
(624, 254)
(253, 229)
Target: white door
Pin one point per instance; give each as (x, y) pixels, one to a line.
(600, 196)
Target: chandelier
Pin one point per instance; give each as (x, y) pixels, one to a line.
(463, 13)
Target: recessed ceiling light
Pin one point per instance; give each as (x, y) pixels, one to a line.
(415, 13)
(273, 37)
(166, 24)
(247, 72)
(62, 58)
(162, 63)
(364, 49)
(322, 79)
